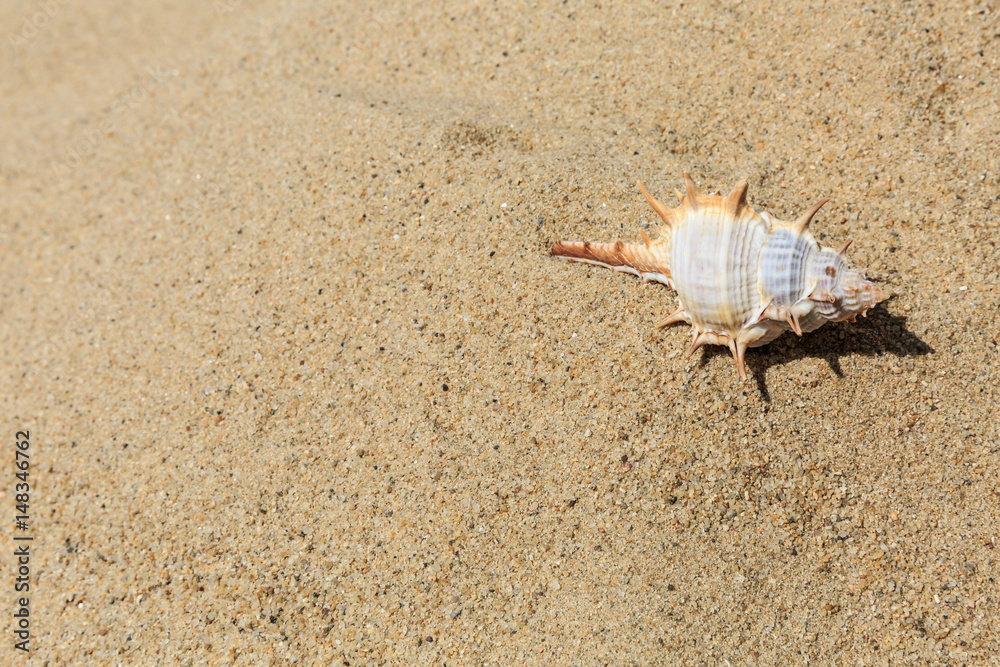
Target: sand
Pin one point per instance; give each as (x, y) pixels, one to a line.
(304, 385)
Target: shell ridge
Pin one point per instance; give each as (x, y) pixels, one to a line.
(747, 244)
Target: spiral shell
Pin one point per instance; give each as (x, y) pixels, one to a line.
(742, 277)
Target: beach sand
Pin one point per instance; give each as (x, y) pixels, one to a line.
(303, 383)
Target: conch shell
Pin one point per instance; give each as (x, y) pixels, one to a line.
(742, 278)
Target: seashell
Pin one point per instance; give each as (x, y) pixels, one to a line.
(742, 277)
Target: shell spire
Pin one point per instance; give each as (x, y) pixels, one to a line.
(742, 278)
(692, 192)
(803, 220)
(673, 318)
(737, 199)
(663, 211)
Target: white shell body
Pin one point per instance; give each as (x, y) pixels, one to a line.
(742, 278)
